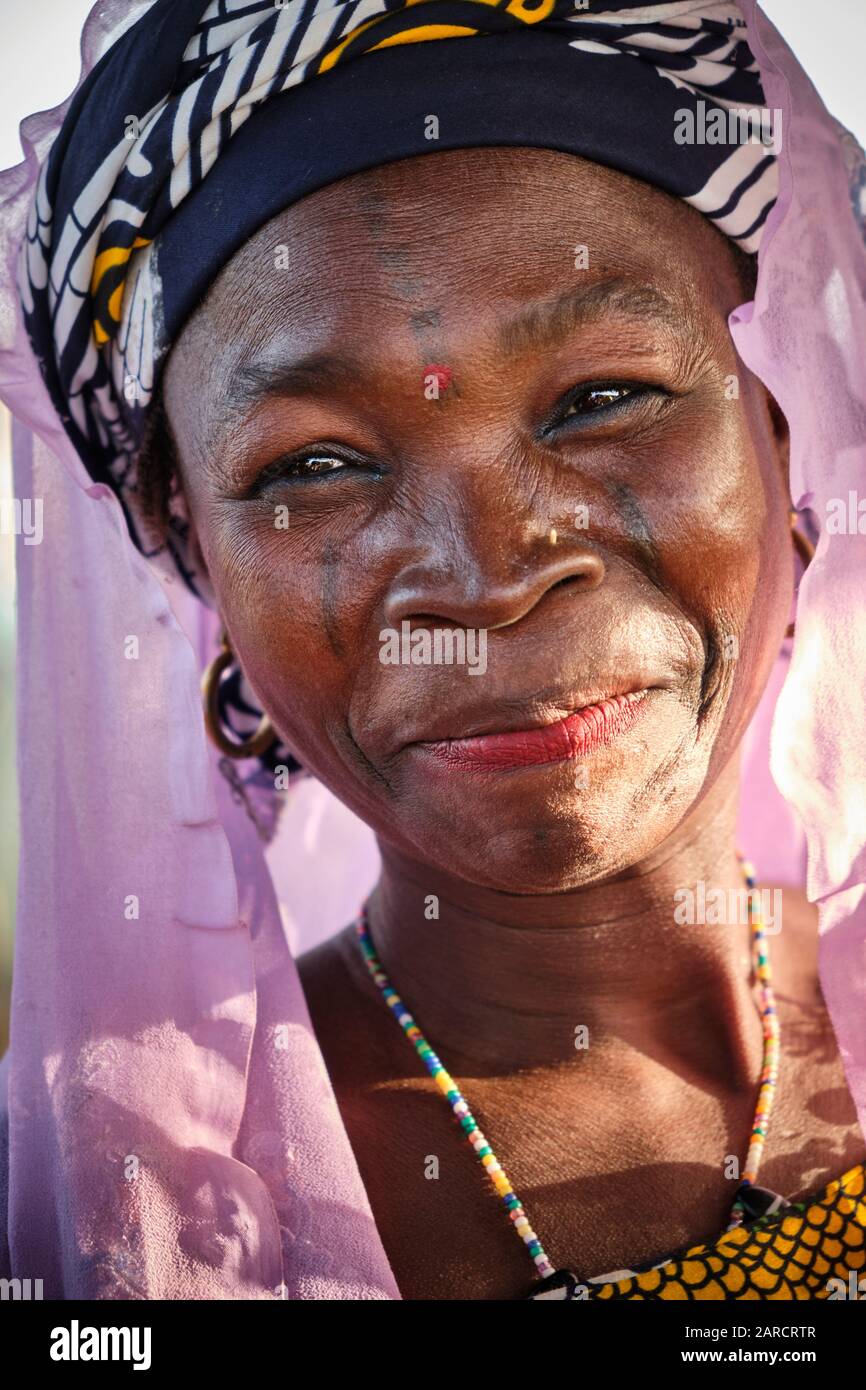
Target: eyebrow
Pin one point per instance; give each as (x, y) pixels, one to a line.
(537, 325)
(540, 325)
(318, 371)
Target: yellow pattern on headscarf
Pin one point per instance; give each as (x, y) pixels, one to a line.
(110, 259)
(108, 305)
(525, 10)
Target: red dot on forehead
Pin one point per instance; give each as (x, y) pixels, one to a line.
(442, 374)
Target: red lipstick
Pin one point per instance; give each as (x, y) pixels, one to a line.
(572, 737)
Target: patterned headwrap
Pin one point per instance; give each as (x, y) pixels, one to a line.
(203, 121)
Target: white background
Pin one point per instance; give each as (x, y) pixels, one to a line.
(39, 56)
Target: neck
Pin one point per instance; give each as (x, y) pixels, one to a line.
(501, 981)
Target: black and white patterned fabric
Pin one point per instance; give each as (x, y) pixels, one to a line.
(204, 120)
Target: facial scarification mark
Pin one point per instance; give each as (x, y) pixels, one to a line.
(394, 256)
(424, 323)
(365, 761)
(636, 525)
(330, 568)
(423, 319)
(640, 534)
(372, 205)
(395, 259)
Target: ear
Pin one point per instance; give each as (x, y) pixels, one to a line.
(165, 478)
(163, 462)
(195, 554)
(194, 560)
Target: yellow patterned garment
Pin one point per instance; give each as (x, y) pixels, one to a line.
(810, 1249)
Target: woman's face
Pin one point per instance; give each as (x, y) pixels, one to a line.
(599, 493)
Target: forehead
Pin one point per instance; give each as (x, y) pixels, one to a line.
(443, 245)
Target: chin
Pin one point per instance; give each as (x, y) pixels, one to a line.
(547, 849)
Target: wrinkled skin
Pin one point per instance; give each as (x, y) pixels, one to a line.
(555, 892)
(446, 516)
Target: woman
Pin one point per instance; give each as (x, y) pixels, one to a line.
(550, 445)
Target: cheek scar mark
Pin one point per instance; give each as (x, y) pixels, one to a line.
(365, 762)
(330, 566)
(637, 527)
(640, 533)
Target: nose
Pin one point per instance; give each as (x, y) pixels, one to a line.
(491, 580)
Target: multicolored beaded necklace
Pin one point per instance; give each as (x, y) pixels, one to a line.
(743, 1206)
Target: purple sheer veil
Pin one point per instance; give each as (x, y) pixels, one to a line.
(171, 1131)
(805, 337)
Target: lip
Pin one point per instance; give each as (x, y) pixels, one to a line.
(574, 736)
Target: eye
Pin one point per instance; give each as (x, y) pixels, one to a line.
(311, 465)
(592, 398)
(604, 399)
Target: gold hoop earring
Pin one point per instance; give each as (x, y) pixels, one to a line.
(250, 747)
(805, 549)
